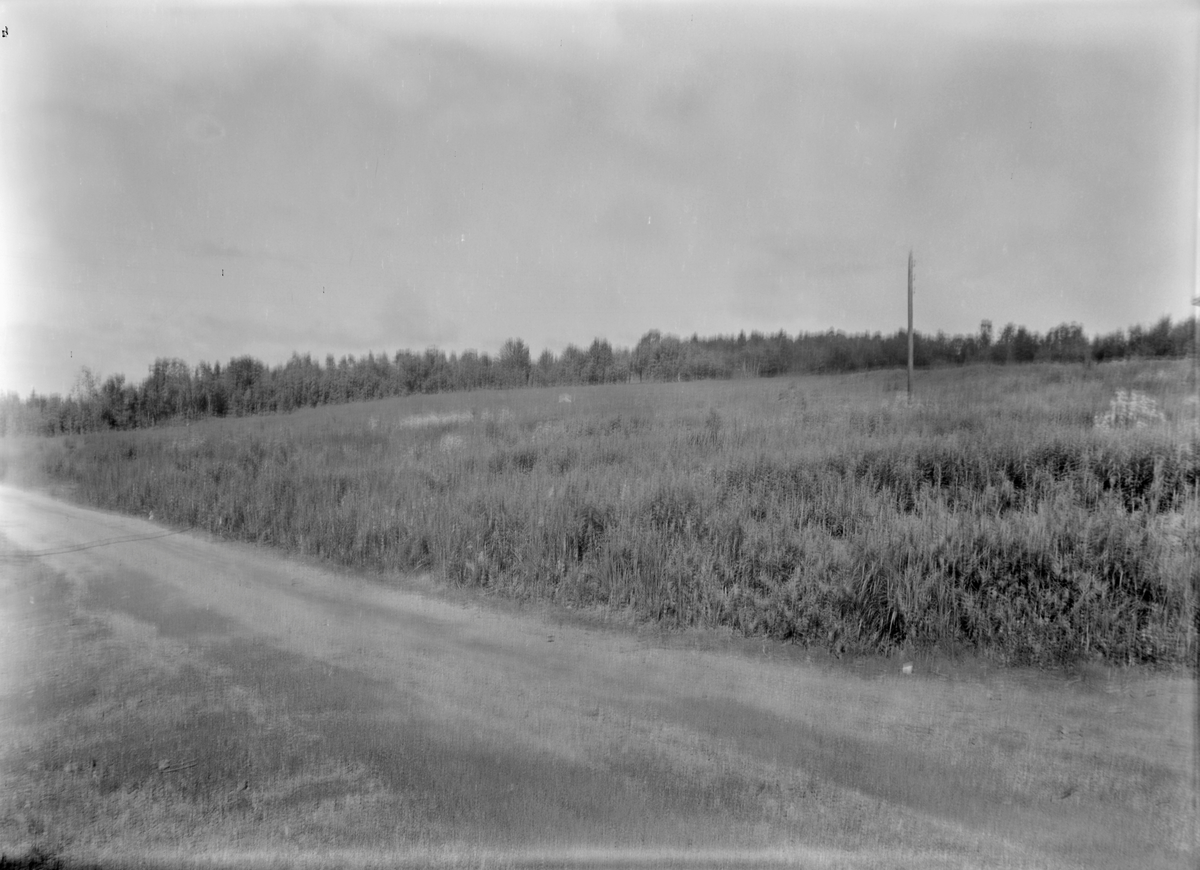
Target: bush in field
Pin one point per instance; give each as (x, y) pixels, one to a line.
(1130, 409)
(999, 516)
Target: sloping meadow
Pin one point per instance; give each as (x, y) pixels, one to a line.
(1038, 515)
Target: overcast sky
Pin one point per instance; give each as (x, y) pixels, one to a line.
(206, 181)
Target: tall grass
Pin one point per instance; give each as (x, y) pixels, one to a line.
(1027, 514)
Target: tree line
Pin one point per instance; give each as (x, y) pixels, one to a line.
(174, 391)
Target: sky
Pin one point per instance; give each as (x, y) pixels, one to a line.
(207, 181)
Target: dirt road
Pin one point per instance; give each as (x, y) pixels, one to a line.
(179, 700)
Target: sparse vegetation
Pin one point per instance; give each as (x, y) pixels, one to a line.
(1038, 515)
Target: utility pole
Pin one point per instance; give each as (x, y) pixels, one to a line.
(911, 269)
(1196, 344)
(1196, 512)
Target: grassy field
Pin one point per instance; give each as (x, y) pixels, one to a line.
(1035, 514)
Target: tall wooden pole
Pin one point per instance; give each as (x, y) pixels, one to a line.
(911, 265)
(1196, 343)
